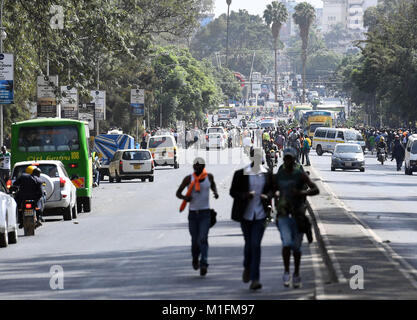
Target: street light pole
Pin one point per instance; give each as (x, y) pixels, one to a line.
(2, 37)
(227, 32)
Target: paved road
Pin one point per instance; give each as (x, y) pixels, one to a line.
(135, 245)
(381, 197)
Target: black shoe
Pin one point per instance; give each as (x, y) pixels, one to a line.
(246, 275)
(255, 285)
(196, 264)
(203, 270)
(38, 224)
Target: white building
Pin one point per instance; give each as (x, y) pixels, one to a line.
(334, 12)
(348, 12)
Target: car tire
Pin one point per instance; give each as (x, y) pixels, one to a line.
(333, 168)
(142, 179)
(4, 240)
(362, 169)
(150, 179)
(207, 148)
(68, 213)
(74, 212)
(12, 237)
(87, 204)
(319, 150)
(118, 179)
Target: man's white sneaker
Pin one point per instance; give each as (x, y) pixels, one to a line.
(286, 278)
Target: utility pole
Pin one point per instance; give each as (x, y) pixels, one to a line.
(227, 32)
(3, 36)
(96, 122)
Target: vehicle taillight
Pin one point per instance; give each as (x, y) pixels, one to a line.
(120, 165)
(28, 206)
(8, 184)
(73, 165)
(62, 182)
(153, 164)
(206, 136)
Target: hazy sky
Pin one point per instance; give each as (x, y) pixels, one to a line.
(252, 6)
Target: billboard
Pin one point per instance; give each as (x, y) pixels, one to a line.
(46, 102)
(69, 103)
(99, 99)
(6, 78)
(137, 101)
(86, 113)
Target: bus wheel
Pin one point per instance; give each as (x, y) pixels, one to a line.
(87, 204)
(319, 150)
(79, 205)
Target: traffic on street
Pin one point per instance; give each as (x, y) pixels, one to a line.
(144, 159)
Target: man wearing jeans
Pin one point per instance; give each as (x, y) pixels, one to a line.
(198, 196)
(290, 186)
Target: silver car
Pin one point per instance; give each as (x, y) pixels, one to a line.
(348, 156)
(8, 217)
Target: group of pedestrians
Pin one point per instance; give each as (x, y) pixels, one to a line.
(258, 196)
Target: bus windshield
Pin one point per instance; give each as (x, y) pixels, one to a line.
(59, 138)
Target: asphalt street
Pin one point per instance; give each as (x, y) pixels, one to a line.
(383, 198)
(135, 245)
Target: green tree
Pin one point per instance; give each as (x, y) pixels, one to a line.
(275, 15)
(304, 17)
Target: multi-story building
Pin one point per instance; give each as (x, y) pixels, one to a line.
(348, 12)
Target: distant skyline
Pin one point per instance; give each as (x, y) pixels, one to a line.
(253, 7)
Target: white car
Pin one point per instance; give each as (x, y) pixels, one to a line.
(61, 194)
(8, 217)
(216, 140)
(131, 164)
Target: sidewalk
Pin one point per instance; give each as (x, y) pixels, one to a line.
(344, 243)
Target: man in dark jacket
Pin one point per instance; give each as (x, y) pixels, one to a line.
(398, 152)
(30, 188)
(251, 190)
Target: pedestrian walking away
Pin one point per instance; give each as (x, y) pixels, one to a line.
(4, 163)
(198, 195)
(289, 185)
(252, 192)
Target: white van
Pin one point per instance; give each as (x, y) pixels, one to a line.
(224, 114)
(410, 158)
(325, 139)
(164, 150)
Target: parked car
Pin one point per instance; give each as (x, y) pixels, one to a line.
(410, 158)
(61, 194)
(348, 156)
(8, 217)
(164, 150)
(131, 164)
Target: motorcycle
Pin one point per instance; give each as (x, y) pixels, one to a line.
(28, 209)
(272, 157)
(381, 156)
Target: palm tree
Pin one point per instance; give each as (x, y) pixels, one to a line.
(276, 15)
(304, 17)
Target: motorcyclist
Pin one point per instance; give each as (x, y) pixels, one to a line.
(382, 145)
(30, 187)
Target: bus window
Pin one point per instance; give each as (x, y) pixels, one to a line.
(60, 138)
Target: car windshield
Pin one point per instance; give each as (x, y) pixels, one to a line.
(136, 155)
(352, 135)
(214, 130)
(50, 170)
(224, 111)
(348, 149)
(58, 138)
(414, 148)
(313, 127)
(267, 125)
(160, 142)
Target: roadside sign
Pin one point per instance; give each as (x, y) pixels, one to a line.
(86, 113)
(6, 78)
(46, 98)
(137, 102)
(99, 99)
(69, 103)
(256, 88)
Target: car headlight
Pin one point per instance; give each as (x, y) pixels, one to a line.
(337, 158)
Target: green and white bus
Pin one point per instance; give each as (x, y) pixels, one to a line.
(57, 139)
